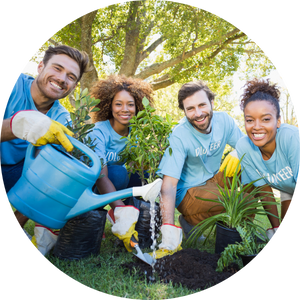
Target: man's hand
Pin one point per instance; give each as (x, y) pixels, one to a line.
(171, 241)
(231, 163)
(39, 130)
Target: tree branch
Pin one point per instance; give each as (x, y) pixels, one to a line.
(166, 79)
(246, 51)
(54, 42)
(159, 67)
(150, 49)
(108, 38)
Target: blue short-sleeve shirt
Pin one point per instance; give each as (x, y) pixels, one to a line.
(196, 156)
(14, 151)
(281, 170)
(108, 143)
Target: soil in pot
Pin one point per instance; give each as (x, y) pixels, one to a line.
(225, 236)
(191, 268)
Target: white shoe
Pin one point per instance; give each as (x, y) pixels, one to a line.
(42, 242)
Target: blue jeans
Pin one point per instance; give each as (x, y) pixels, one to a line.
(11, 174)
(119, 177)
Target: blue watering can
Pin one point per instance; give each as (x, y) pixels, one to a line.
(55, 186)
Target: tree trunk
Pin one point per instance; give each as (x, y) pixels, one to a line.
(128, 66)
(86, 22)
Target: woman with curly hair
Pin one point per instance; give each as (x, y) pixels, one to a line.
(120, 99)
(271, 149)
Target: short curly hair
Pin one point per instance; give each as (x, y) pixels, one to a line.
(258, 90)
(106, 89)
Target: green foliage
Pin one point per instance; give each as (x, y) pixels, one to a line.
(239, 204)
(248, 246)
(164, 41)
(84, 104)
(147, 142)
(65, 102)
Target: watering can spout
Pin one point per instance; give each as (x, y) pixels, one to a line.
(89, 200)
(149, 192)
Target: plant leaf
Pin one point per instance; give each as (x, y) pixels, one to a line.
(95, 109)
(145, 102)
(84, 92)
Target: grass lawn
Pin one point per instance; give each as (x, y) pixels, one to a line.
(103, 272)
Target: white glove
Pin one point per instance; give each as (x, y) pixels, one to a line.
(124, 226)
(38, 129)
(171, 237)
(171, 240)
(270, 232)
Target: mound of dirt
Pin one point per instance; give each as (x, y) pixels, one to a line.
(191, 268)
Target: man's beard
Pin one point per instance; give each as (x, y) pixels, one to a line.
(41, 83)
(205, 128)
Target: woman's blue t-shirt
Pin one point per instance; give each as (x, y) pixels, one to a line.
(281, 170)
(108, 143)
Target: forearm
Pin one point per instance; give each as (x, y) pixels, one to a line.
(167, 201)
(6, 133)
(105, 186)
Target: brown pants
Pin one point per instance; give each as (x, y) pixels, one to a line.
(195, 210)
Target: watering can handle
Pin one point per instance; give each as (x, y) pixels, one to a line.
(96, 166)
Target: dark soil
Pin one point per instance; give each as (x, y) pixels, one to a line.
(191, 268)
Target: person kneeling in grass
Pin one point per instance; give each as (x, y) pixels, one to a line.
(193, 168)
(270, 149)
(121, 99)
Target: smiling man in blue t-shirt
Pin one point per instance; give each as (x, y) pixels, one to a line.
(197, 144)
(33, 113)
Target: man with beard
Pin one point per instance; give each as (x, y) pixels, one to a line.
(191, 169)
(34, 114)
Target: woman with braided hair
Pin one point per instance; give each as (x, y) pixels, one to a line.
(271, 149)
(120, 99)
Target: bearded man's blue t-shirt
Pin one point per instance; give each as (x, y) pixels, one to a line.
(281, 170)
(196, 156)
(12, 152)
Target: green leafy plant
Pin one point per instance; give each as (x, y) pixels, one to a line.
(80, 126)
(239, 202)
(248, 246)
(147, 142)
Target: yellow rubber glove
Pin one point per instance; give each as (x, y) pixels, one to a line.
(56, 135)
(160, 253)
(231, 162)
(127, 236)
(124, 226)
(38, 129)
(171, 241)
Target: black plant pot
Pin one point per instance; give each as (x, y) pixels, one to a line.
(81, 236)
(247, 258)
(225, 236)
